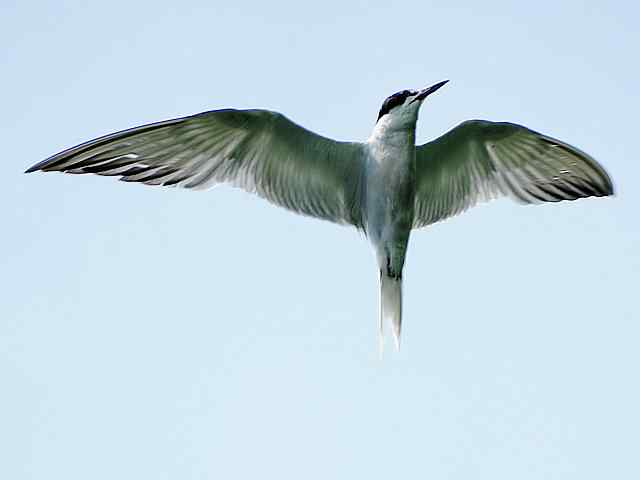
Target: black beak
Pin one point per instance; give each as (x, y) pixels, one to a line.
(428, 91)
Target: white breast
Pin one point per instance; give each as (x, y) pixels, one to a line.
(390, 187)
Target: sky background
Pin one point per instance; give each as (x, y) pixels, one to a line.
(162, 333)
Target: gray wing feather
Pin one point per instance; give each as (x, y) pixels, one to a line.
(260, 151)
(481, 160)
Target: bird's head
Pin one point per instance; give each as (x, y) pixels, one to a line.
(400, 110)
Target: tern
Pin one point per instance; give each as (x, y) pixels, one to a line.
(385, 187)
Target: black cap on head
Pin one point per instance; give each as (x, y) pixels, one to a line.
(393, 101)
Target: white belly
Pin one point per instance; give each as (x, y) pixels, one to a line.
(390, 202)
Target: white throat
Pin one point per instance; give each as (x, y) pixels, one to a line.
(398, 123)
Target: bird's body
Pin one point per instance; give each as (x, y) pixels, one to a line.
(385, 186)
(389, 207)
(390, 187)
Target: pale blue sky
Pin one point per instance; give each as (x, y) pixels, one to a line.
(159, 334)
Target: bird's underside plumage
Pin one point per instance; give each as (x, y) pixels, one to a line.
(257, 150)
(479, 160)
(265, 153)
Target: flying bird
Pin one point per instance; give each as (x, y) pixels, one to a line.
(385, 187)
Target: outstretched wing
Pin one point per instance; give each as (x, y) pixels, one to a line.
(257, 150)
(480, 160)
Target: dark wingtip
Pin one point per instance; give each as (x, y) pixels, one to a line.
(611, 190)
(38, 166)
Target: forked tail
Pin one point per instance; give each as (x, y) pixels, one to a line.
(390, 307)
